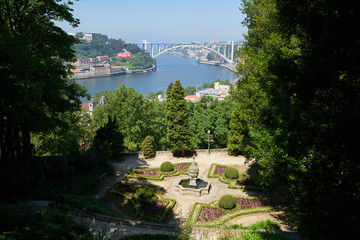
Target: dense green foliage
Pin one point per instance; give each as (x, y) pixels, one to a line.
(267, 225)
(108, 141)
(231, 173)
(135, 116)
(22, 222)
(227, 202)
(34, 90)
(167, 167)
(211, 85)
(102, 45)
(152, 96)
(178, 120)
(190, 90)
(214, 116)
(99, 46)
(145, 192)
(298, 108)
(147, 147)
(138, 117)
(254, 235)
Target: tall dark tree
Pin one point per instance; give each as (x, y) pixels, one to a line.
(178, 120)
(299, 107)
(108, 140)
(34, 86)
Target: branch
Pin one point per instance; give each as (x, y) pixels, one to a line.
(9, 17)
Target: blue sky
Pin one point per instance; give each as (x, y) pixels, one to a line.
(160, 20)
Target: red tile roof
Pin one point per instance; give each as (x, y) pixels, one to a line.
(85, 106)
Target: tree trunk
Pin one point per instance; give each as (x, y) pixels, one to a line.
(26, 142)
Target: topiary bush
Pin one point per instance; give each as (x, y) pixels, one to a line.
(227, 202)
(167, 167)
(147, 147)
(231, 173)
(145, 192)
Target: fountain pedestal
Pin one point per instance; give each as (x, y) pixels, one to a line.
(193, 185)
(193, 173)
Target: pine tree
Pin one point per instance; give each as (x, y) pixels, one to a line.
(147, 147)
(178, 120)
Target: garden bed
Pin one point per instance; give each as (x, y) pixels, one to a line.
(156, 173)
(218, 171)
(211, 215)
(156, 209)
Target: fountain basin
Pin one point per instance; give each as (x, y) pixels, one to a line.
(201, 188)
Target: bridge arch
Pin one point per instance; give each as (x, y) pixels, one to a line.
(198, 45)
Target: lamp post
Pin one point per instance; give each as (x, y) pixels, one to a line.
(209, 142)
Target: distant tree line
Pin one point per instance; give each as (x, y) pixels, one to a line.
(102, 45)
(138, 117)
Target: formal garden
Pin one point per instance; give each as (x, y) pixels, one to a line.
(148, 193)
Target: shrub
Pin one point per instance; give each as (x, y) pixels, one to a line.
(147, 147)
(227, 202)
(231, 173)
(145, 192)
(167, 167)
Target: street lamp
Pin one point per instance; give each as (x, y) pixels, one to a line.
(208, 141)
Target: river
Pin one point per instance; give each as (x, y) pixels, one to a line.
(169, 69)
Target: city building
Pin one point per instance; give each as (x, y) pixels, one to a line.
(217, 85)
(87, 37)
(90, 106)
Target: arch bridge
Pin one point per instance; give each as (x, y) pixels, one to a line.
(227, 54)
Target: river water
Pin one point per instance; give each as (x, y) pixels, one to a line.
(169, 69)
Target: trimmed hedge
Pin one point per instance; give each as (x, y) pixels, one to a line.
(232, 183)
(227, 202)
(167, 167)
(145, 192)
(132, 174)
(235, 212)
(231, 173)
(136, 204)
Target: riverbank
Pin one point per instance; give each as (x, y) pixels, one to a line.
(231, 67)
(108, 73)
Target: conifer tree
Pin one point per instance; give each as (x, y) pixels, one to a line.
(108, 139)
(147, 147)
(178, 121)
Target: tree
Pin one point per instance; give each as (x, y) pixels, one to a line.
(147, 147)
(34, 87)
(177, 119)
(298, 108)
(108, 140)
(190, 90)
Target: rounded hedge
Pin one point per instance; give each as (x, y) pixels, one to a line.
(227, 202)
(167, 167)
(231, 173)
(145, 192)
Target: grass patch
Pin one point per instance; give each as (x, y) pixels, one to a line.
(266, 225)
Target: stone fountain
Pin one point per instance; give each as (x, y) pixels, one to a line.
(193, 185)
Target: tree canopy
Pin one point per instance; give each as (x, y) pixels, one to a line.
(298, 108)
(34, 87)
(177, 118)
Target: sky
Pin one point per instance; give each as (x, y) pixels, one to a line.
(160, 20)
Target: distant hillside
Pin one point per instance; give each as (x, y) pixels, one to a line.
(101, 45)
